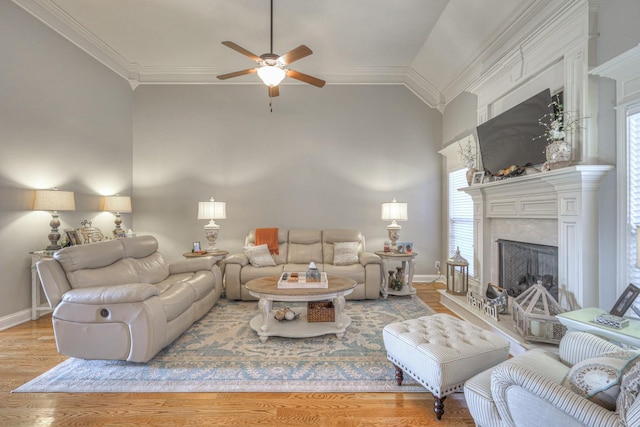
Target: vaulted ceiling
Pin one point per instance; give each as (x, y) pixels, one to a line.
(430, 45)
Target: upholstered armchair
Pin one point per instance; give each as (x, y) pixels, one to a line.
(537, 389)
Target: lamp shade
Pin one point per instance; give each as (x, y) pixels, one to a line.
(212, 210)
(271, 75)
(117, 204)
(54, 200)
(394, 211)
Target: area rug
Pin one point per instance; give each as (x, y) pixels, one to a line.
(221, 353)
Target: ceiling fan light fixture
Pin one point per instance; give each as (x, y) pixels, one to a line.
(271, 75)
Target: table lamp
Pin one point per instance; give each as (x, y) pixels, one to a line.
(212, 210)
(117, 204)
(394, 211)
(54, 200)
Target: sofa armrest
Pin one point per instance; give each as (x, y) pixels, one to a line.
(54, 280)
(189, 265)
(578, 346)
(520, 395)
(240, 259)
(128, 293)
(369, 258)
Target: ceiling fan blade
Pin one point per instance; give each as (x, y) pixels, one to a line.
(242, 50)
(305, 78)
(295, 54)
(237, 73)
(274, 91)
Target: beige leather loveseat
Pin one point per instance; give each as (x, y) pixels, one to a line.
(297, 248)
(120, 300)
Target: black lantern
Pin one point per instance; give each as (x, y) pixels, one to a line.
(457, 274)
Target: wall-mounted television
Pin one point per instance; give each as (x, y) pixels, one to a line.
(515, 137)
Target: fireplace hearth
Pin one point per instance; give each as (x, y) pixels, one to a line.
(522, 265)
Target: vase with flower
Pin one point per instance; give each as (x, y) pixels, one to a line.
(467, 154)
(557, 125)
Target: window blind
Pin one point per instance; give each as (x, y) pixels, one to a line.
(460, 218)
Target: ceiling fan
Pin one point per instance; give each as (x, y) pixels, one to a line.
(271, 67)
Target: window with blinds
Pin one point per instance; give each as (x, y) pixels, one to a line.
(633, 190)
(460, 218)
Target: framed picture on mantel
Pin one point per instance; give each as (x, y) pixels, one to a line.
(478, 177)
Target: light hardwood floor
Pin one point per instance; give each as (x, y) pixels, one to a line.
(29, 350)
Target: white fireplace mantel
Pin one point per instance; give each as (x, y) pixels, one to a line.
(570, 197)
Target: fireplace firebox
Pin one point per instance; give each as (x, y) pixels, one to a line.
(522, 265)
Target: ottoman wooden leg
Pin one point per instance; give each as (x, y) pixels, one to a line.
(399, 375)
(438, 406)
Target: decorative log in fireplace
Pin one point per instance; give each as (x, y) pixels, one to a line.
(522, 265)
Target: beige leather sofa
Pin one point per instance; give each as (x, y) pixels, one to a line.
(120, 300)
(297, 248)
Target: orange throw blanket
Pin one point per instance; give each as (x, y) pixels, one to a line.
(268, 236)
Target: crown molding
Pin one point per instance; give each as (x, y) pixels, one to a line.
(424, 90)
(57, 19)
(533, 22)
(504, 36)
(558, 29)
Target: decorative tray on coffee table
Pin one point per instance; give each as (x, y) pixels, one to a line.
(299, 281)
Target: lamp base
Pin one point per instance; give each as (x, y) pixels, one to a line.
(211, 233)
(54, 235)
(394, 234)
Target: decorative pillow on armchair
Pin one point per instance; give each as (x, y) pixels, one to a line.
(598, 379)
(259, 256)
(345, 253)
(629, 389)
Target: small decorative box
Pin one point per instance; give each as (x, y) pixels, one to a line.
(611, 321)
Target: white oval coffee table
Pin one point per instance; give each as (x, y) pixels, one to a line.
(265, 324)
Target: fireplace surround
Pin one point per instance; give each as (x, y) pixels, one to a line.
(555, 206)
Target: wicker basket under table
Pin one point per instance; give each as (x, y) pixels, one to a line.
(321, 311)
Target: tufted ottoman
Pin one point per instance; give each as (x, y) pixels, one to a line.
(441, 352)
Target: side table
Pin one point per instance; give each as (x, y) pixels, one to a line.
(408, 265)
(218, 255)
(582, 320)
(36, 305)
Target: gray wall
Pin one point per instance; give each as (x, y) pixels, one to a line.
(324, 158)
(65, 121)
(460, 117)
(618, 28)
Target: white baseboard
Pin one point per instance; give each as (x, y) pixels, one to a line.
(428, 278)
(15, 319)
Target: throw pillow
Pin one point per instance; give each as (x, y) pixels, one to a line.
(259, 256)
(629, 390)
(345, 253)
(598, 379)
